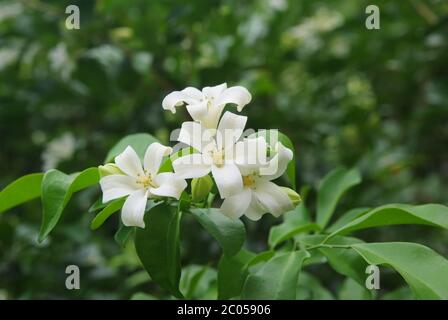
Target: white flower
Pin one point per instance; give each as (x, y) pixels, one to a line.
(259, 194)
(206, 106)
(215, 153)
(140, 182)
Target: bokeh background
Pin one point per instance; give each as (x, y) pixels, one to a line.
(345, 95)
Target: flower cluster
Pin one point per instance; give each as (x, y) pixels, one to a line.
(242, 167)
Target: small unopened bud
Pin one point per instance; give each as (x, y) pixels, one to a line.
(109, 169)
(200, 188)
(293, 196)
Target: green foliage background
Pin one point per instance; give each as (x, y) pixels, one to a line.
(377, 100)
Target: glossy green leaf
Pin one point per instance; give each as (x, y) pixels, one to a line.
(167, 165)
(57, 190)
(143, 296)
(196, 282)
(104, 214)
(232, 272)
(22, 190)
(258, 260)
(425, 271)
(316, 258)
(230, 233)
(331, 189)
(277, 279)
(158, 246)
(402, 293)
(352, 290)
(343, 260)
(347, 217)
(139, 142)
(124, 234)
(276, 237)
(435, 215)
(294, 223)
(309, 288)
(97, 205)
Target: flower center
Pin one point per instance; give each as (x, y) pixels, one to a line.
(209, 101)
(145, 180)
(218, 157)
(248, 181)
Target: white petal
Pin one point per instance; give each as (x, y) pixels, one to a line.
(193, 134)
(154, 156)
(191, 166)
(117, 186)
(255, 211)
(215, 92)
(193, 93)
(198, 111)
(129, 162)
(236, 205)
(272, 197)
(237, 95)
(210, 121)
(134, 209)
(169, 185)
(250, 154)
(278, 164)
(230, 129)
(228, 179)
(189, 95)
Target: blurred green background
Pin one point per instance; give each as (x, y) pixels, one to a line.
(345, 95)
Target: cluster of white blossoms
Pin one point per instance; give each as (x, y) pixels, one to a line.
(241, 168)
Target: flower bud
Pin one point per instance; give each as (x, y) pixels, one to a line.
(293, 196)
(200, 188)
(109, 169)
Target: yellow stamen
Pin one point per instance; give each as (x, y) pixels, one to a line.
(248, 181)
(218, 157)
(146, 181)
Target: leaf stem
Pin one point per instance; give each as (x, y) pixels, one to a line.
(323, 245)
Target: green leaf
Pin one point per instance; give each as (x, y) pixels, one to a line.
(425, 271)
(279, 234)
(352, 290)
(57, 190)
(232, 272)
(104, 214)
(310, 288)
(261, 257)
(139, 142)
(294, 222)
(22, 190)
(196, 281)
(270, 136)
(347, 217)
(124, 234)
(331, 189)
(230, 233)
(276, 279)
(343, 260)
(97, 205)
(402, 293)
(143, 296)
(158, 246)
(435, 215)
(167, 165)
